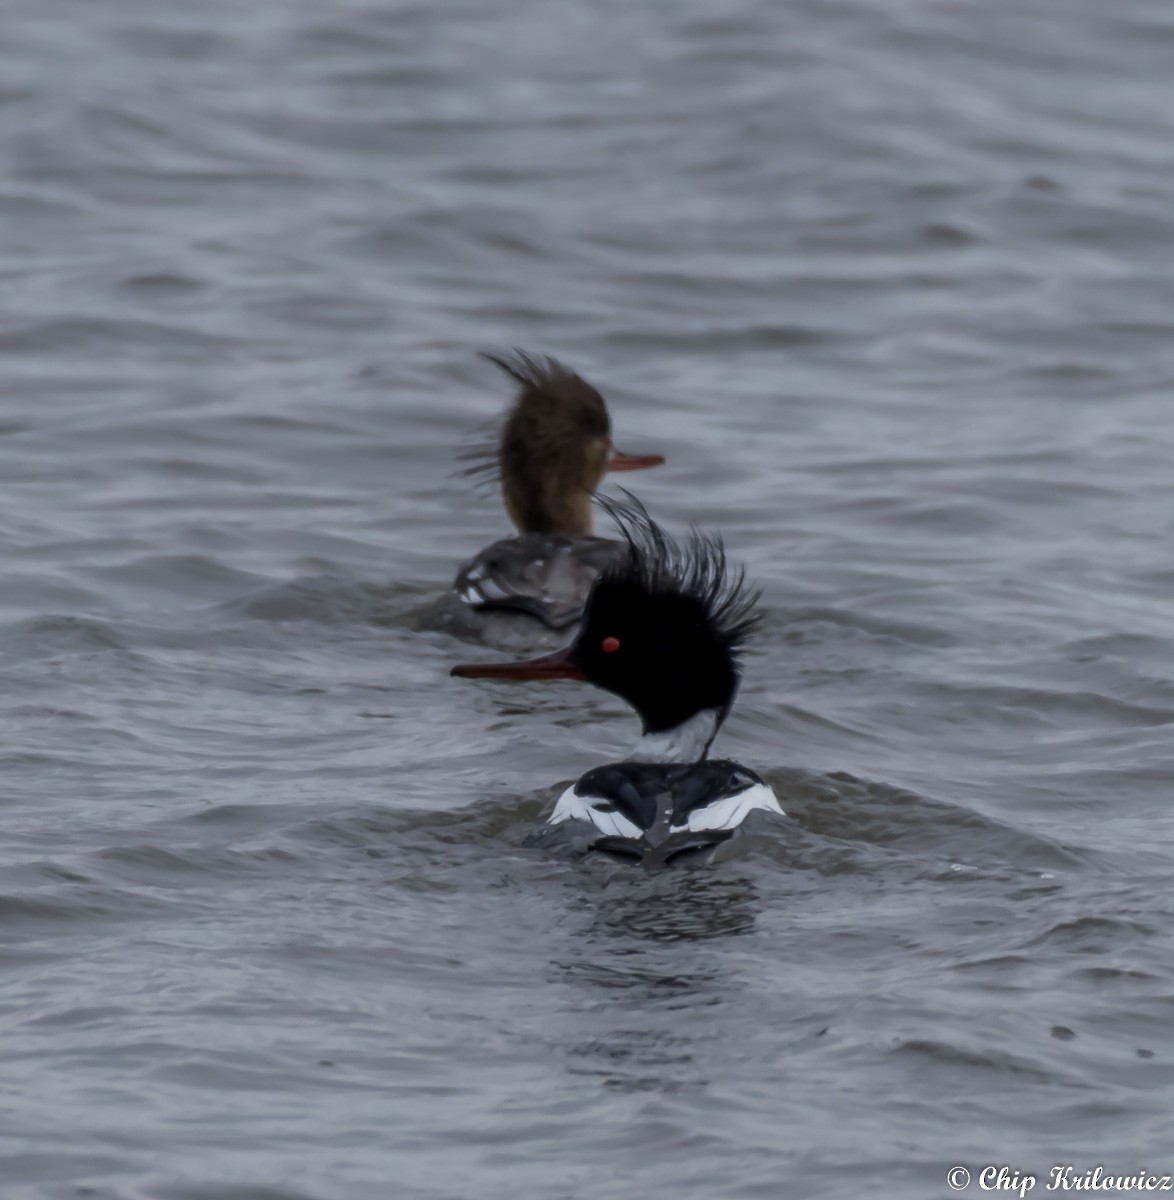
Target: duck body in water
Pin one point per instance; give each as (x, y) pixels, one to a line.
(664, 627)
(527, 592)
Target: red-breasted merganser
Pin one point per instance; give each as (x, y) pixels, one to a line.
(527, 592)
(664, 628)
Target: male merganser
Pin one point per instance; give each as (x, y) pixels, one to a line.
(527, 592)
(664, 628)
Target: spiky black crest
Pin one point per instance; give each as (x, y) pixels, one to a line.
(695, 568)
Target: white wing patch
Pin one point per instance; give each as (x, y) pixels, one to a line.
(573, 807)
(472, 593)
(729, 812)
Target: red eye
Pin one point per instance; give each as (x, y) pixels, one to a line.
(609, 645)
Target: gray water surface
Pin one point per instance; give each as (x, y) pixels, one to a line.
(891, 285)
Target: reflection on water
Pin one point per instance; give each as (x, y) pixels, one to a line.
(692, 906)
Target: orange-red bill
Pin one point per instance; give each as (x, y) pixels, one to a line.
(550, 666)
(620, 461)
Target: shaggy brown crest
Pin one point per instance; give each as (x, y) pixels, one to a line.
(553, 447)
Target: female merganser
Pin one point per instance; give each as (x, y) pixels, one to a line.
(526, 592)
(664, 628)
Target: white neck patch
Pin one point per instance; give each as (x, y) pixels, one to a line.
(688, 742)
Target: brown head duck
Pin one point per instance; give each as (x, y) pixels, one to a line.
(552, 452)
